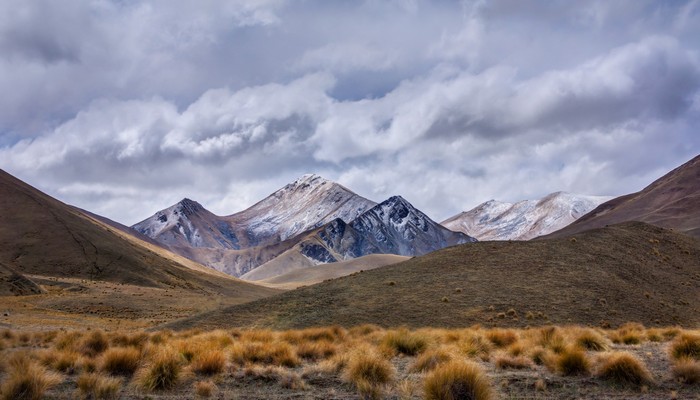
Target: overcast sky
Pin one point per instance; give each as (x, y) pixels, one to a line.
(125, 107)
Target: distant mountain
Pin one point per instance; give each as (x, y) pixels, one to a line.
(524, 220)
(672, 201)
(240, 242)
(391, 227)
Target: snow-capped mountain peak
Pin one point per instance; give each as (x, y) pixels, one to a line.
(524, 220)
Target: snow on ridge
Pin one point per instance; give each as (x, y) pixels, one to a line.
(525, 219)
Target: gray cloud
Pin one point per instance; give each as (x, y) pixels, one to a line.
(124, 108)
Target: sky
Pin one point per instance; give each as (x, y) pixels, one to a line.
(125, 107)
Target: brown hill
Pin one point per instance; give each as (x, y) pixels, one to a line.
(13, 283)
(42, 236)
(672, 201)
(628, 272)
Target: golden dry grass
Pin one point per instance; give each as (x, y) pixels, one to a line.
(309, 362)
(624, 368)
(458, 380)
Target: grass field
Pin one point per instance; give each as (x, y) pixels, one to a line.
(567, 362)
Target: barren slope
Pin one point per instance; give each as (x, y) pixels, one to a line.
(628, 272)
(42, 236)
(312, 274)
(672, 201)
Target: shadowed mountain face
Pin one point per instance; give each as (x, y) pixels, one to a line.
(524, 220)
(391, 227)
(629, 272)
(672, 201)
(42, 236)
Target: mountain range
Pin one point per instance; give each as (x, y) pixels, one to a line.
(311, 221)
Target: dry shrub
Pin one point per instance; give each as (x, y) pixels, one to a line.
(209, 362)
(27, 380)
(369, 372)
(95, 386)
(137, 340)
(475, 346)
(539, 355)
(458, 380)
(430, 359)
(405, 342)
(291, 380)
(686, 346)
(502, 337)
(364, 330)
(94, 343)
(516, 349)
(121, 361)
(204, 388)
(277, 353)
(572, 361)
(316, 350)
(163, 372)
(67, 341)
(687, 370)
(62, 361)
(504, 361)
(591, 340)
(550, 337)
(623, 368)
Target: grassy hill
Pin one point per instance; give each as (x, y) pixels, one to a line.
(628, 272)
(672, 201)
(84, 265)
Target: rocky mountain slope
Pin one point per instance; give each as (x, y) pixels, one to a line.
(316, 219)
(672, 201)
(391, 227)
(524, 220)
(240, 242)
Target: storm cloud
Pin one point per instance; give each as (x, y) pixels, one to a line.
(124, 108)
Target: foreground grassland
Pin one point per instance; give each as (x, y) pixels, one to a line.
(367, 361)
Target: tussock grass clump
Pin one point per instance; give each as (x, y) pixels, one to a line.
(121, 361)
(62, 361)
(430, 359)
(67, 341)
(591, 340)
(277, 353)
(457, 380)
(27, 380)
(502, 337)
(95, 343)
(405, 342)
(505, 361)
(550, 337)
(316, 350)
(475, 346)
(95, 386)
(137, 340)
(368, 371)
(686, 346)
(162, 372)
(210, 362)
(687, 371)
(623, 368)
(573, 361)
(204, 389)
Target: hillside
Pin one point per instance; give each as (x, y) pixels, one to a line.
(672, 201)
(311, 274)
(628, 272)
(524, 220)
(42, 236)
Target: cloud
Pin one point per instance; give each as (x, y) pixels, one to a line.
(124, 108)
